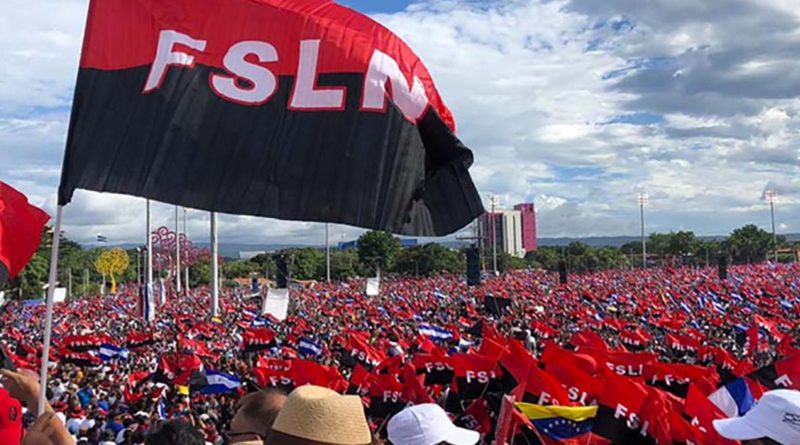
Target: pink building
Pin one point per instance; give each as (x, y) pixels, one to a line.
(528, 226)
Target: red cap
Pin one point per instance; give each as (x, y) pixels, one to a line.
(10, 419)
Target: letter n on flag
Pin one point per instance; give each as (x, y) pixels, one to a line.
(20, 231)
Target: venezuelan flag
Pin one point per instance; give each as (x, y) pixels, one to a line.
(560, 424)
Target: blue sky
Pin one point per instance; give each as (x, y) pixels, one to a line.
(373, 6)
(576, 105)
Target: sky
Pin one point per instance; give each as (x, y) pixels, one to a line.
(576, 105)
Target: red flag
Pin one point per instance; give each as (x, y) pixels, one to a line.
(20, 231)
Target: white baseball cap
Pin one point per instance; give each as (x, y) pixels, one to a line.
(427, 424)
(775, 416)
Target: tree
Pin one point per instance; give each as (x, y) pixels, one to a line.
(344, 265)
(546, 258)
(750, 244)
(238, 269)
(112, 262)
(429, 259)
(306, 263)
(378, 247)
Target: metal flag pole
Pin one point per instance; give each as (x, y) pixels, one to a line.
(642, 202)
(494, 236)
(48, 323)
(327, 255)
(186, 232)
(177, 253)
(149, 311)
(214, 267)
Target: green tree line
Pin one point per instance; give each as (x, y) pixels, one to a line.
(380, 250)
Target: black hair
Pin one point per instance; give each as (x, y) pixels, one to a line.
(175, 432)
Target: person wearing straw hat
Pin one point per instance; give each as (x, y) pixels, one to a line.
(775, 419)
(313, 415)
(428, 424)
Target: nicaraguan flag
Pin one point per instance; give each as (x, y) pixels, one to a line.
(686, 307)
(434, 332)
(734, 399)
(220, 382)
(162, 409)
(308, 347)
(109, 352)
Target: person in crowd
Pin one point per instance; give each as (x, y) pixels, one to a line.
(775, 419)
(175, 432)
(313, 415)
(254, 418)
(427, 424)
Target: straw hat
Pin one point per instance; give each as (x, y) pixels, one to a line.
(313, 415)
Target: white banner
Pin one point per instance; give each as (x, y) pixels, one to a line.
(276, 303)
(373, 286)
(60, 295)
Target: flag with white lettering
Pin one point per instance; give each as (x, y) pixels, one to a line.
(294, 109)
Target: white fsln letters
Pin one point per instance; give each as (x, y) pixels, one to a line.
(382, 68)
(264, 82)
(306, 96)
(166, 56)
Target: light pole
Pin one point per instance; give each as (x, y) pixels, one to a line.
(177, 254)
(186, 233)
(327, 256)
(139, 266)
(493, 201)
(642, 202)
(771, 196)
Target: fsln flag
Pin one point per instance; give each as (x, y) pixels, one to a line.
(109, 352)
(197, 103)
(20, 231)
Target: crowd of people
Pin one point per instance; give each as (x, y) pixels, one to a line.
(653, 350)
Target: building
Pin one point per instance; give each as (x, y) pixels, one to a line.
(528, 212)
(515, 230)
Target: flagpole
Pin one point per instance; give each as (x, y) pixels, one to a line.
(327, 255)
(214, 266)
(150, 309)
(48, 323)
(186, 232)
(177, 253)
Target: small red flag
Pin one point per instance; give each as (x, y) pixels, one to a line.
(20, 230)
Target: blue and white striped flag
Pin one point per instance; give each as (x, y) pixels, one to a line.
(309, 347)
(220, 382)
(109, 352)
(434, 332)
(162, 409)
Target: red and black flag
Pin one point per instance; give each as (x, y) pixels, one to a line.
(257, 339)
(437, 368)
(20, 231)
(82, 359)
(199, 103)
(783, 374)
(140, 339)
(620, 417)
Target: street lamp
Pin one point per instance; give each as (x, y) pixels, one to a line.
(771, 196)
(642, 202)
